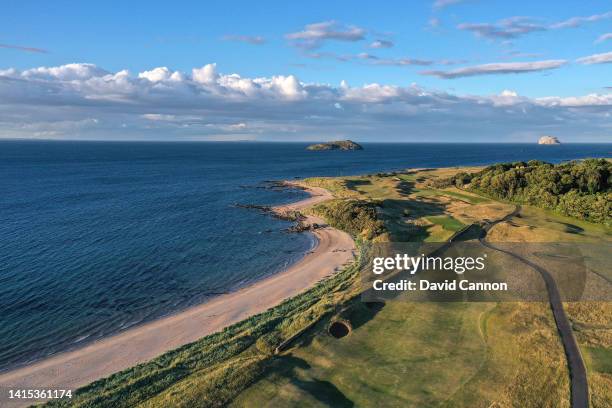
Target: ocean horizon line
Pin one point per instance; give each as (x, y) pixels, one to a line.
(291, 142)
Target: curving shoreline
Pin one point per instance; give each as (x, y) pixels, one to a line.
(73, 369)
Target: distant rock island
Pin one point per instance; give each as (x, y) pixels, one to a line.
(549, 140)
(337, 145)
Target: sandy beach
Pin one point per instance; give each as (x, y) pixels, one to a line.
(79, 367)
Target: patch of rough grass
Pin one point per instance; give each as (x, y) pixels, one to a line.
(210, 386)
(335, 185)
(426, 175)
(591, 321)
(601, 390)
(599, 366)
(437, 233)
(590, 314)
(537, 225)
(463, 196)
(600, 359)
(476, 213)
(525, 364)
(374, 187)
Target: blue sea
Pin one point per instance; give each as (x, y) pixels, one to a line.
(96, 237)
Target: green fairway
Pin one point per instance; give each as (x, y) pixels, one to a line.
(447, 222)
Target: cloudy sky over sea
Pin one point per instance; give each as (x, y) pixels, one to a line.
(431, 70)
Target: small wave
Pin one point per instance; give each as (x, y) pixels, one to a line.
(80, 339)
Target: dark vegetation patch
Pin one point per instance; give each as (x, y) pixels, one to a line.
(357, 217)
(353, 184)
(581, 189)
(288, 367)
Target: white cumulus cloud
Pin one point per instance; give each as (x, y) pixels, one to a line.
(65, 72)
(85, 101)
(161, 74)
(205, 75)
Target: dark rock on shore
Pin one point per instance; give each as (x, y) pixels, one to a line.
(301, 227)
(295, 216)
(275, 185)
(264, 208)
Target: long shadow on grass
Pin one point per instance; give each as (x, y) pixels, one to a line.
(323, 391)
(405, 188)
(396, 212)
(572, 229)
(472, 233)
(353, 184)
(360, 313)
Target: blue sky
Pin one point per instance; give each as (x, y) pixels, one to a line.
(538, 57)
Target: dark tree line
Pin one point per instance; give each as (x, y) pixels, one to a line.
(581, 189)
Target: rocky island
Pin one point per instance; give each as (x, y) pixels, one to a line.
(549, 140)
(336, 145)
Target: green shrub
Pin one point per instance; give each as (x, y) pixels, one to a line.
(581, 189)
(357, 217)
(267, 343)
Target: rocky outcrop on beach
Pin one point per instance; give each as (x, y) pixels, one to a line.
(263, 208)
(302, 226)
(549, 140)
(283, 212)
(337, 145)
(295, 216)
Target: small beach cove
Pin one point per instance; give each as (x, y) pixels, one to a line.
(76, 368)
